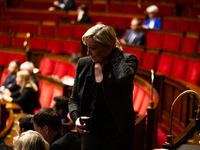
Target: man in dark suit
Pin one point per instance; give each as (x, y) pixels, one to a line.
(48, 123)
(10, 82)
(63, 4)
(134, 35)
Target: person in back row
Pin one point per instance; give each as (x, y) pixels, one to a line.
(134, 35)
(82, 16)
(29, 66)
(60, 104)
(48, 123)
(27, 97)
(10, 83)
(63, 4)
(152, 22)
(25, 123)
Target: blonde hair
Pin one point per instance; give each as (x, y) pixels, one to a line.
(27, 80)
(31, 140)
(105, 35)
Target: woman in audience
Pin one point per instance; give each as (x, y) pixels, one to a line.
(27, 97)
(101, 102)
(152, 22)
(82, 16)
(31, 140)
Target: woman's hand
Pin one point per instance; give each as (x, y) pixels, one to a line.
(6, 91)
(80, 126)
(7, 98)
(98, 72)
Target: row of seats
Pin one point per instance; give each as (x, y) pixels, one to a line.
(160, 39)
(56, 68)
(52, 45)
(7, 57)
(120, 21)
(173, 41)
(177, 67)
(44, 28)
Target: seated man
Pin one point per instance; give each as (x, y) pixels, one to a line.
(48, 123)
(10, 82)
(134, 35)
(63, 4)
(60, 105)
(25, 124)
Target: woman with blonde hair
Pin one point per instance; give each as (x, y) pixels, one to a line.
(31, 140)
(101, 101)
(27, 97)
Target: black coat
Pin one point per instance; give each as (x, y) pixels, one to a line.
(117, 87)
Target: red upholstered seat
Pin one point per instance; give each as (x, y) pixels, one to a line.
(54, 46)
(14, 56)
(150, 60)
(9, 26)
(3, 58)
(168, 24)
(194, 27)
(165, 64)
(131, 9)
(137, 53)
(96, 7)
(46, 66)
(24, 16)
(47, 30)
(37, 16)
(135, 90)
(140, 95)
(80, 31)
(6, 40)
(44, 96)
(29, 5)
(115, 7)
(182, 25)
(54, 16)
(154, 40)
(65, 31)
(179, 68)
(19, 41)
(71, 70)
(31, 28)
(120, 22)
(60, 69)
(45, 4)
(145, 104)
(4, 74)
(56, 92)
(172, 42)
(189, 45)
(38, 43)
(198, 50)
(7, 14)
(193, 72)
(107, 20)
(71, 47)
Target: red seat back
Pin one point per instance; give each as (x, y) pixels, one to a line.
(172, 42)
(179, 68)
(13, 56)
(154, 40)
(150, 60)
(46, 66)
(4, 74)
(60, 69)
(189, 45)
(193, 72)
(165, 64)
(137, 53)
(71, 47)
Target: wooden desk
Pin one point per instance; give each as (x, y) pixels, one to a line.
(10, 105)
(9, 137)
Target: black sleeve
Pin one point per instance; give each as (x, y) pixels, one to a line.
(23, 96)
